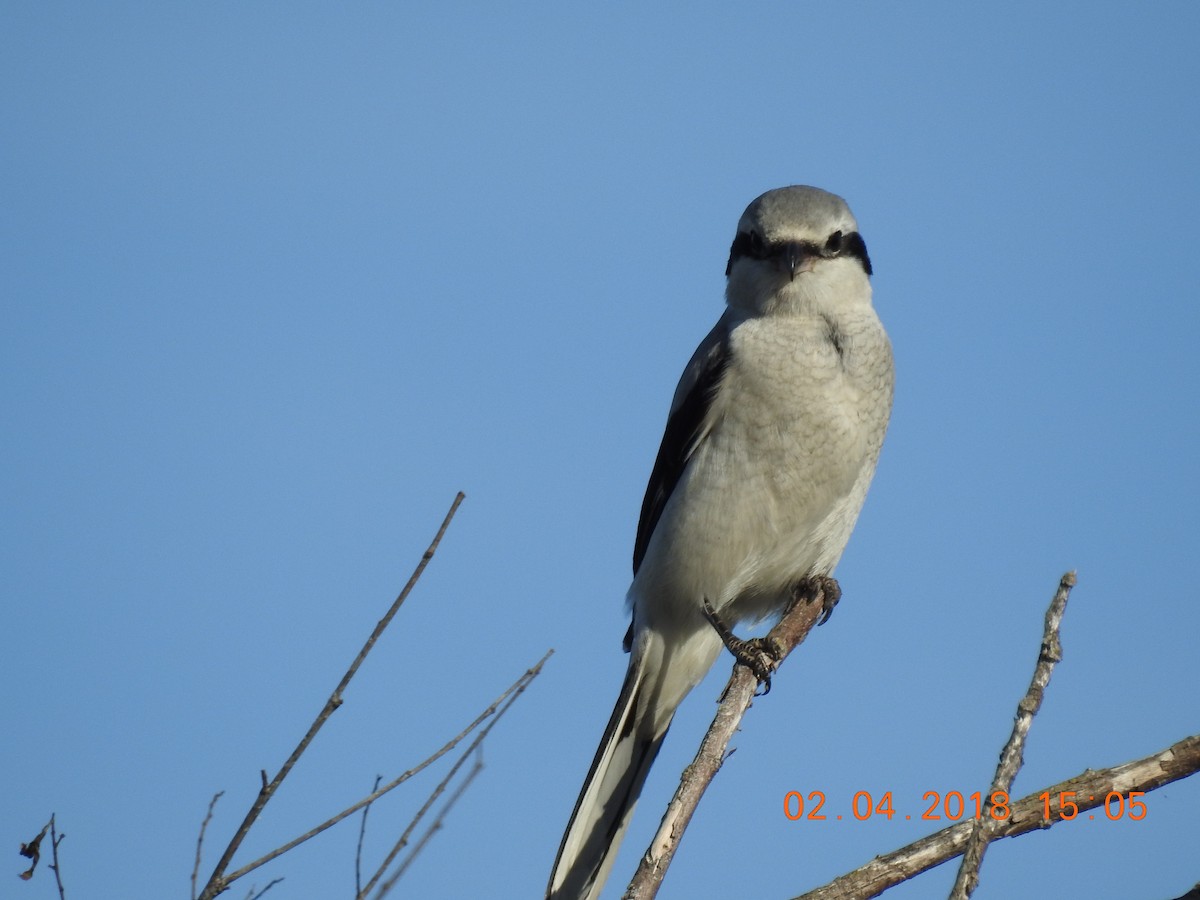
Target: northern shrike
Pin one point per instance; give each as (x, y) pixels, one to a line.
(770, 445)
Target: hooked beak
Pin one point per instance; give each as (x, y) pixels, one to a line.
(797, 257)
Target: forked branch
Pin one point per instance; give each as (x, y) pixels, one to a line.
(218, 881)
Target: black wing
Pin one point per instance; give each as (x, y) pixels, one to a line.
(682, 432)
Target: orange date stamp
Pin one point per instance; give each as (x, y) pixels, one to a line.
(954, 806)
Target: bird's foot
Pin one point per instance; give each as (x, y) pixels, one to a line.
(759, 655)
(818, 587)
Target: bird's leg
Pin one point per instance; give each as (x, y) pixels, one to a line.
(758, 654)
(818, 587)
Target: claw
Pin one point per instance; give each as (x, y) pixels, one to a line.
(757, 654)
(824, 587)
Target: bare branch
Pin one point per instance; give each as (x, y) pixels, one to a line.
(792, 628)
(362, 833)
(1091, 789)
(200, 840)
(516, 691)
(55, 840)
(517, 687)
(218, 881)
(1012, 756)
(253, 895)
(32, 851)
(436, 826)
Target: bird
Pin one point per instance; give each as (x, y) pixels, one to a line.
(771, 442)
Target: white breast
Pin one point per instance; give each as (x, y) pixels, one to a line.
(776, 485)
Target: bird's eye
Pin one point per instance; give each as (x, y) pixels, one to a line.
(757, 248)
(833, 246)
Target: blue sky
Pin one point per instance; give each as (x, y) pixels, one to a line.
(280, 279)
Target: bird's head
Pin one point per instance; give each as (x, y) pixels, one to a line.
(797, 246)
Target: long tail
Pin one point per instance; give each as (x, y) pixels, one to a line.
(649, 697)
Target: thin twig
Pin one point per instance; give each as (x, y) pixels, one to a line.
(254, 896)
(362, 833)
(200, 840)
(1012, 756)
(218, 881)
(791, 629)
(436, 826)
(55, 840)
(517, 686)
(518, 689)
(1110, 788)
